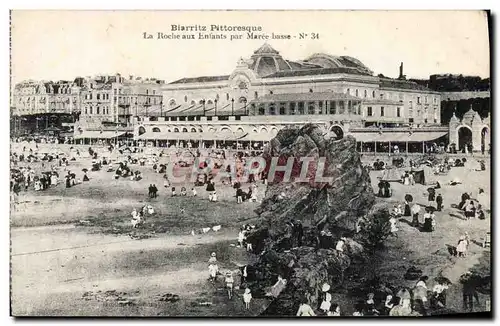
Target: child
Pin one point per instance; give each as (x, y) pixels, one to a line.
(394, 227)
(241, 238)
(194, 192)
(462, 247)
(183, 191)
(214, 197)
(229, 284)
(247, 297)
(173, 192)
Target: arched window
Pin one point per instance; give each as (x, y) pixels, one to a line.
(193, 129)
(171, 103)
(210, 102)
(348, 91)
(200, 130)
(156, 129)
(225, 129)
(201, 102)
(193, 102)
(211, 130)
(263, 129)
(240, 130)
(176, 129)
(184, 130)
(142, 130)
(366, 93)
(185, 98)
(242, 99)
(310, 90)
(357, 94)
(373, 94)
(169, 130)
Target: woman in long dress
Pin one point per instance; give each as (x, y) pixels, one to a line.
(462, 247)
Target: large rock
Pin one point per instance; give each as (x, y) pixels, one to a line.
(333, 207)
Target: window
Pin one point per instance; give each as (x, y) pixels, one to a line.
(418, 100)
(227, 96)
(91, 110)
(410, 120)
(262, 109)
(272, 109)
(156, 129)
(398, 112)
(435, 100)
(310, 90)
(184, 130)
(256, 95)
(271, 92)
(341, 107)
(193, 129)
(426, 100)
(90, 96)
(349, 107)
(185, 98)
(348, 91)
(171, 103)
(292, 108)
(193, 102)
(182, 118)
(253, 108)
(373, 94)
(310, 108)
(210, 102)
(320, 107)
(114, 91)
(176, 129)
(381, 96)
(282, 108)
(381, 111)
(333, 107)
(147, 91)
(357, 94)
(301, 108)
(369, 111)
(366, 93)
(425, 120)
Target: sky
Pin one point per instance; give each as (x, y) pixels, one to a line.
(61, 45)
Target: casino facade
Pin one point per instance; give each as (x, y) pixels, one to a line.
(266, 93)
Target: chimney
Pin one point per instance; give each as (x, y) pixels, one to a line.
(401, 76)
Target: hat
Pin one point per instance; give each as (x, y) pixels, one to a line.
(213, 254)
(247, 290)
(325, 287)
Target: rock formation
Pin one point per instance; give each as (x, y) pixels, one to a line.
(301, 222)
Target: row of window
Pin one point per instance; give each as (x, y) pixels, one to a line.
(369, 111)
(117, 91)
(300, 108)
(105, 110)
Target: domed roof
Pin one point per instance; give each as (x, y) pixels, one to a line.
(330, 61)
(265, 49)
(266, 61)
(470, 115)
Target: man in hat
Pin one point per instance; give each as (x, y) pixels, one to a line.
(439, 202)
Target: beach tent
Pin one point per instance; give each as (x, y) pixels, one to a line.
(419, 176)
(392, 175)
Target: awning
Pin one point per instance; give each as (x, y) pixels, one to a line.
(198, 136)
(95, 134)
(421, 136)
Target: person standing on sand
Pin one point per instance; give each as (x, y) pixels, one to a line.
(247, 297)
(229, 284)
(462, 247)
(415, 210)
(439, 202)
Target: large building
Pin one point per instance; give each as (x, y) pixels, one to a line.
(268, 92)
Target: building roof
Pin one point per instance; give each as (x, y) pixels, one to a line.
(325, 96)
(316, 71)
(396, 83)
(202, 79)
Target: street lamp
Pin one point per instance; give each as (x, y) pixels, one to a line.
(232, 106)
